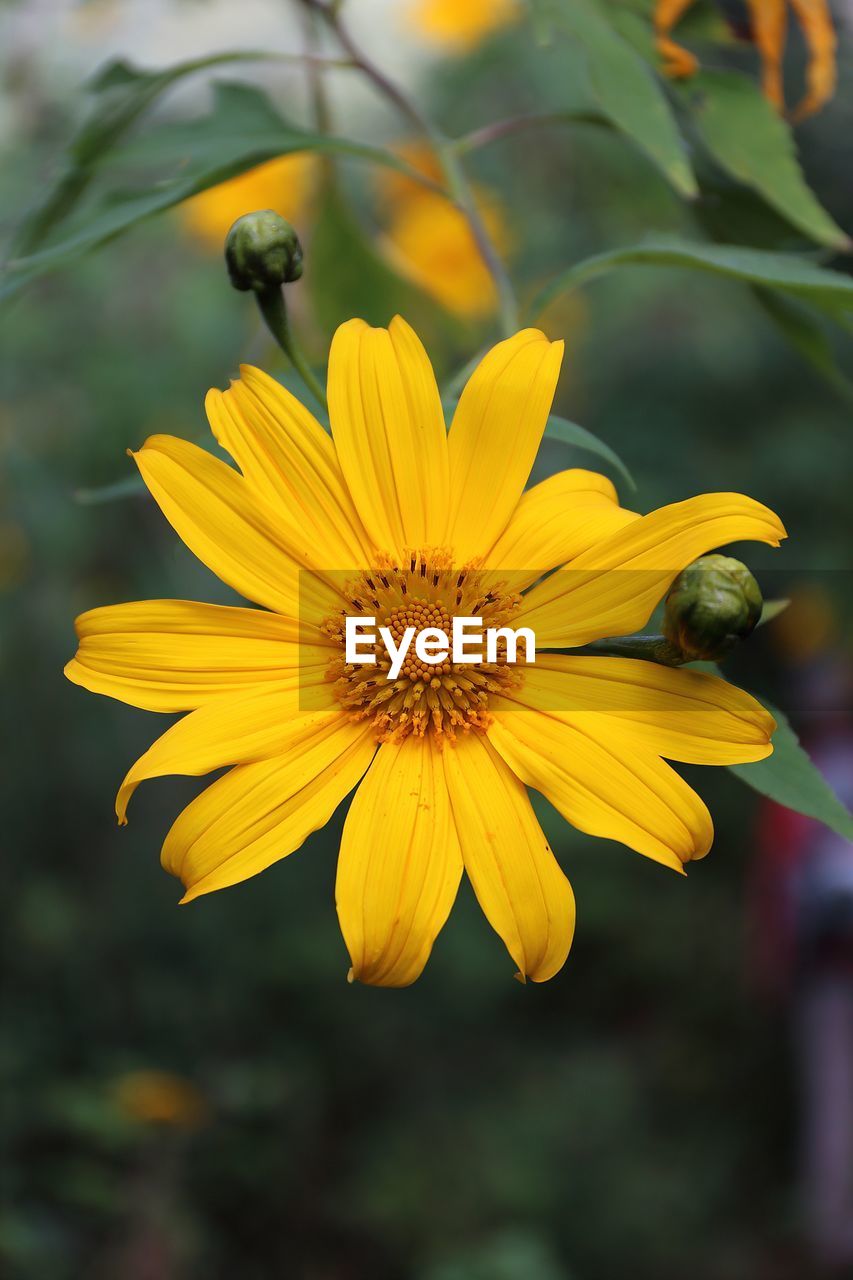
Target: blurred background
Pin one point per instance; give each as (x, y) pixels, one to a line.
(198, 1092)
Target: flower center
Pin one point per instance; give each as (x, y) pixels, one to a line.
(440, 697)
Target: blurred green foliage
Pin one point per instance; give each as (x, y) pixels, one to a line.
(634, 1116)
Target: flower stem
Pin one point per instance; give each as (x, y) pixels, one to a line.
(653, 648)
(458, 187)
(273, 308)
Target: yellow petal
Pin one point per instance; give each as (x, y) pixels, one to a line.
(769, 26)
(606, 784)
(496, 432)
(258, 813)
(232, 530)
(290, 460)
(524, 894)
(816, 21)
(399, 866)
(556, 521)
(256, 724)
(389, 431)
(614, 587)
(676, 713)
(174, 655)
(678, 62)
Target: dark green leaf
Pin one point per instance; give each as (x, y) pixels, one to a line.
(131, 487)
(770, 610)
(121, 94)
(569, 433)
(579, 438)
(790, 778)
(803, 331)
(751, 142)
(625, 88)
(345, 274)
(830, 290)
(242, 130)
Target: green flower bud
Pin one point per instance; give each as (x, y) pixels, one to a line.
(262, 252)
(711, 605)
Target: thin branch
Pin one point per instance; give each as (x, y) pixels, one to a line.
(458, 187)
(500, 129)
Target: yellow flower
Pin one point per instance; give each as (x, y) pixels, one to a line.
(460, 24)
(430, 242)
(396, 517)
(769, 23)
(159, 1097)
(284, 185)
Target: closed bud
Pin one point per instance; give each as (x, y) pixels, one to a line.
(262, 252)
(713, 603)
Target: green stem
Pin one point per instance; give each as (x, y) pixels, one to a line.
(316, 84)
(649, 648)
(463, 197)
(458, 187)
(273, 308)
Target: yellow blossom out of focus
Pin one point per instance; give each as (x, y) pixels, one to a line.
(808, 627)
(159, 1097)
(460, 25)
(285, 184)
(431, 243)
(769, 26)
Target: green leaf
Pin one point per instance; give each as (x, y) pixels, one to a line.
(829, 290)
(122, 93)
(569, 433)
(625, 88)
(579, 438)
(242, 130)
(790, 778)
(770, 610)
(752, 143)
(803, 331)
(345, 274)
(131, 487)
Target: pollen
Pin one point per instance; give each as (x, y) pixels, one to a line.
(442, 698)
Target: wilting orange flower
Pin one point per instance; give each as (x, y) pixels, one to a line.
(769, 24)
(394, 516)
(284, 184)
(431, 243)
(460, 24)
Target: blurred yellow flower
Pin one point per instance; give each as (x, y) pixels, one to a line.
(160, 1097)
(430, 242)
(285, 184)
(808, 627)
(460, 24)
(769, 24)
(395, 516)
